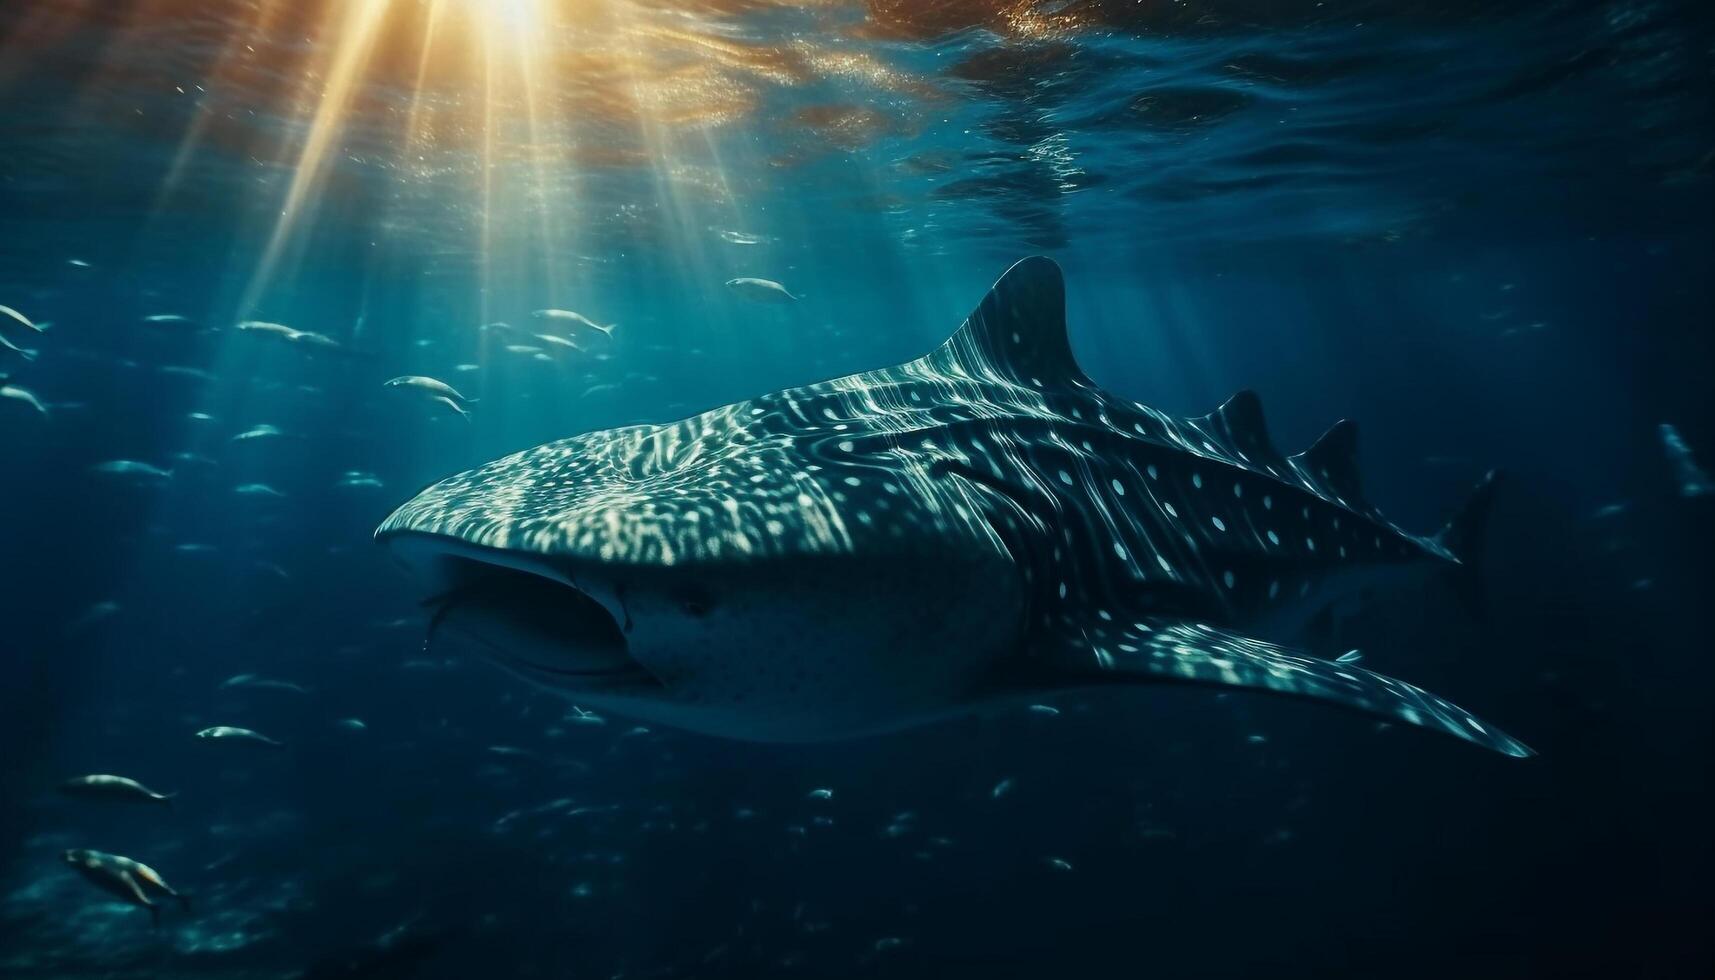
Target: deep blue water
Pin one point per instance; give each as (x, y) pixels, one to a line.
(1483, 233)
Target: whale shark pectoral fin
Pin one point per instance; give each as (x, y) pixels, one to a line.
(1176, 651)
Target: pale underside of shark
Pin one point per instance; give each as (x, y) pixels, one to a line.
(875, 551)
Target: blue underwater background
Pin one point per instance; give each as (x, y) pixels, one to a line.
(1483, 231)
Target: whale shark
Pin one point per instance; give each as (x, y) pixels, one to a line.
(876, 551)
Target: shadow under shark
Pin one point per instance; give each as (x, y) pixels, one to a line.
(875, 551)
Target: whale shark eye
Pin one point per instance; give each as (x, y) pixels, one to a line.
(694, 600)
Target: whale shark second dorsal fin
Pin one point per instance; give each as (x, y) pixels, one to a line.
(1239, 425)
(1018, 332)
(1331, 465)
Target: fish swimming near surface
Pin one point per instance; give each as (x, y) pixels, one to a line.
(555, 340)
(104, 787)
(7, 345)
(132, 468)
(227, 733)
(303, 338)
(260, 683)
(431, 386)
(761, 290)
(9, 315)
(438, 392)
(262, 431)
(981, 525)
(175, 321)
(22, 395)
(130, 881)
(360, 478)
(577, 321)
(1692, 480)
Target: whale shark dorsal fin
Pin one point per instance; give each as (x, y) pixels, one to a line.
(1331, 464)
(1018, 331)
(1239, 425)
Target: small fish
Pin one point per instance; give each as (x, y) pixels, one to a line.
(24, 395)
(451, 406)
(258, 490)
(1001, 788)
(1349, 657)
(1043, 709)
(1693, 482)
(307, 338)
(131, 881)
(195, 459)
(266, 327)
(181, 371)
(101, 787)
(131, 468)
(820, 794)
(553, 340)
(438, 392)
(79, 264)
(229, 733)
(761, 290)
(358, 478)
(96, 613)
(352, 724)
(168, 320)
(28, 355)
(21, 319)
(310, 338)
(1058, 864)
(425, 384)
(262, 683)
(576, 320)
(263, 431)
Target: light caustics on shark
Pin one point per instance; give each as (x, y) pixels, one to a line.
(878, 550)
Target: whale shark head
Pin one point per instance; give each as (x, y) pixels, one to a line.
(757, 570)
(876, 550)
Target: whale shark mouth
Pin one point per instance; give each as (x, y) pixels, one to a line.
(528, 614)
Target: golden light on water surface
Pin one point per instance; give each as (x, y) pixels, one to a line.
(523, 138)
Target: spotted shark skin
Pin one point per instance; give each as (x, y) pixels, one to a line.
(992, 525)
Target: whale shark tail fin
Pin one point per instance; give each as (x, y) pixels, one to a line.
(1462, 537)
(1170, 650)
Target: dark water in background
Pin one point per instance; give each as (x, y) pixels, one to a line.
(1485, 233)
